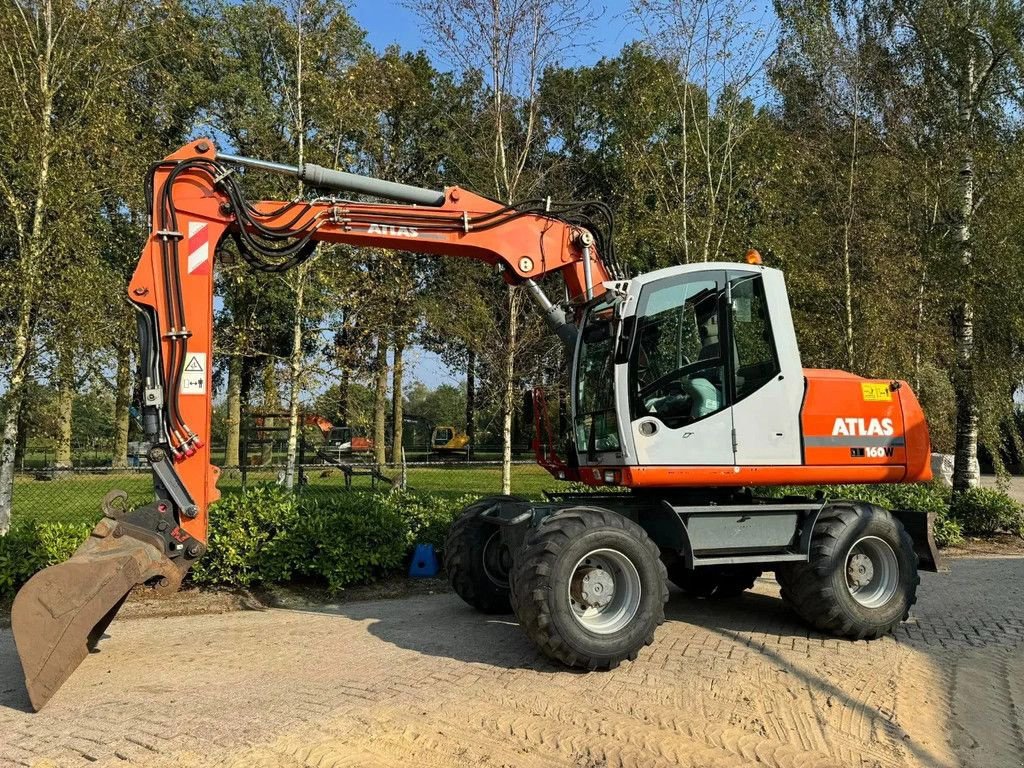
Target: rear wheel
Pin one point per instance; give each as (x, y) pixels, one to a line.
(713, 582)
(477, 560)
(589, 588)
(862, 576)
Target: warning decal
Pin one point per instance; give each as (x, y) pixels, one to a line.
(193, 379)
(198, 248)
(875, 392)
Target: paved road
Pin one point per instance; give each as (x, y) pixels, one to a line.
(424, 681)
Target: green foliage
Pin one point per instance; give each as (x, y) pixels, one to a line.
(30, 546)
(429, 516)
(984, 510)
(247, 536)
(445, 404)
(348, 539)
(265, 535)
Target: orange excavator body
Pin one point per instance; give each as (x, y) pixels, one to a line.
(62, 611)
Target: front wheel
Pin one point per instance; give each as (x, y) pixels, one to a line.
(861, 579)
(589, 588)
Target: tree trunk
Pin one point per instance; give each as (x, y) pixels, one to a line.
(847, 231)
(15, 397)
(65, 405)
(397, 373)
(30, 251)
(271, 402)
(295, 378)
(234, 406)
(380, 400)
(508, 400)
(965, 454)
(343, 396)
(122, 402)
(965, 457)
(470, 402)
(22, 447)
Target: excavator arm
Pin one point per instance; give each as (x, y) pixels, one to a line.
(196, 201)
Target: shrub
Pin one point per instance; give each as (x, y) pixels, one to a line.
(266, 535)
(31, 546)
(248, 538)
(429, 517)
(349, 538)
(947, 532)
(984, 510)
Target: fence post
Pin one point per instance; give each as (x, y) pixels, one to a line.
(244, 458)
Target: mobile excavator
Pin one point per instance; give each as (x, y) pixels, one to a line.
(687, 393)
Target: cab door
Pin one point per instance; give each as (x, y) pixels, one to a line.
(679, 391)
(766, 374)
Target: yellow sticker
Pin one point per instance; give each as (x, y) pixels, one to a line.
(876, 393)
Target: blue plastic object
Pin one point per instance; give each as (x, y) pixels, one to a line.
(424, 562)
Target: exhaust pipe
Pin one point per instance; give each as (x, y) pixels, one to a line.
(61, 613)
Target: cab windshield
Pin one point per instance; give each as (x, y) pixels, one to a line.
(595, 428)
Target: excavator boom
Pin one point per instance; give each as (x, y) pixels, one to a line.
(196, 201)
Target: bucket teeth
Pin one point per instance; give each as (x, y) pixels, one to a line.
(60, 614)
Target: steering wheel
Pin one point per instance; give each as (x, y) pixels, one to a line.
(679, 372)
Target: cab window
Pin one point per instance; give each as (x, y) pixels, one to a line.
(678, 365)
(596, 428)
(756, 361)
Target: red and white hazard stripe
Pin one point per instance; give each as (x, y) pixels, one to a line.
(198, 248)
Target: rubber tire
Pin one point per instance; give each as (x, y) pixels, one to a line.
(713, 582)
(817, 590)
(540, 579)
(464, 561)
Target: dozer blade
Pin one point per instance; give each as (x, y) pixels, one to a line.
(61, 612)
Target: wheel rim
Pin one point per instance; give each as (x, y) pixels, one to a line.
(872, 572)
(604, 591)
(497, 560)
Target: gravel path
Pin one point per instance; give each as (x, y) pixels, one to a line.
(425, 681)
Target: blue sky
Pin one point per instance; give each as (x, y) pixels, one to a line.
(388, 21)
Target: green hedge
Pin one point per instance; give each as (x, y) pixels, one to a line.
(30, 546)
(266, 535)
(984, 510)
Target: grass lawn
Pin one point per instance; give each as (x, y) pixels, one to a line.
(77, 497)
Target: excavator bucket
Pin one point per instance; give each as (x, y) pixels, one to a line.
(61, 613)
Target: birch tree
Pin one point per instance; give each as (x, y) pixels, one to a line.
(719, 48)
(278, 62)
(511, 42)
(63, 67)
(964, 59)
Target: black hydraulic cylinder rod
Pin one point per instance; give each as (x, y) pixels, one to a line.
(325, 178)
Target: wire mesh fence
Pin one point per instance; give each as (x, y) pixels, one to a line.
(50, 494)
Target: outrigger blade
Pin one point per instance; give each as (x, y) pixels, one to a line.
(61, 613)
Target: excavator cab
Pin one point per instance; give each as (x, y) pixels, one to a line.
(667, 361)
(691, 376)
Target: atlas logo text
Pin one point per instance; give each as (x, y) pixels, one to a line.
(862, 427)
(386, 229)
